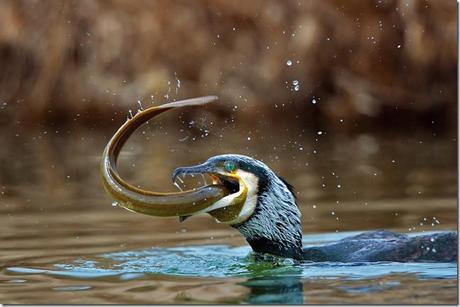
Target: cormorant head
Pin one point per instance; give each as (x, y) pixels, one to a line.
(262, 205)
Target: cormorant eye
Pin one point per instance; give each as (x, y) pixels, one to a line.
(230, 166)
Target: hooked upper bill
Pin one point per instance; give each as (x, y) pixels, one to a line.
(217, 176)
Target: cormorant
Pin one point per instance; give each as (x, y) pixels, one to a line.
(270, 220)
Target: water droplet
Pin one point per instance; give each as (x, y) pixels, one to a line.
(399, 46)
(289, 63)
(114, 204)
(177, 83)
(140, 106)
(313, 101)
(178, 186)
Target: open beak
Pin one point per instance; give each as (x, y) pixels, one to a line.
(229, 207)
(231, 182)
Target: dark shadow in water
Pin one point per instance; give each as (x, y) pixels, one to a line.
(273, 281)
(274, 290)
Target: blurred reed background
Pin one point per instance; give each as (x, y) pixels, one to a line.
(380, 65)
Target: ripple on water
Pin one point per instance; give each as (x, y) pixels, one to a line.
(223, 261)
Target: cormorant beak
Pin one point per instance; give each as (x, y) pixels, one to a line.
(228, 207)
(231, 181)
(204, 168)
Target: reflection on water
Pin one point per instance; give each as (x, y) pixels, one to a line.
(62, 241)
(274, 290)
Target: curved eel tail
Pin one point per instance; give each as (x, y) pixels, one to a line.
(147, 202)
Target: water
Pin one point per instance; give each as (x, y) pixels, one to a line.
(269, 281)
(226, 261)
(63, 242)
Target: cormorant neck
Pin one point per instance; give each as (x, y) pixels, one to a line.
(274, 227)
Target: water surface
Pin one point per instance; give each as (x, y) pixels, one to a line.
(63, 242)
